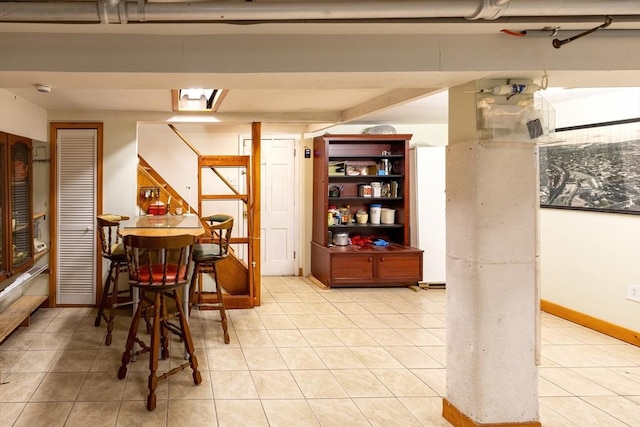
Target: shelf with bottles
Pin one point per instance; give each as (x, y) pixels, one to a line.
(376, 159)
(390, 190)
(354, 169)
(364, 157)
(355, 225)
(360, 199)
(363, 178)
(341, 147)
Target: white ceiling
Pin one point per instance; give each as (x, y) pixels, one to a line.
(363, 98)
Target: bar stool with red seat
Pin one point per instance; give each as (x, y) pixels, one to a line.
(113, 251)
(159, 270)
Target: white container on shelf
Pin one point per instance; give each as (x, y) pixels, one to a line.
(387, 216)
(374, 213)
(376, 188)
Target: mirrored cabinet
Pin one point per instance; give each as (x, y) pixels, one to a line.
(16, 206)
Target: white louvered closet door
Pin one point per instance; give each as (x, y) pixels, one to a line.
(76, 215)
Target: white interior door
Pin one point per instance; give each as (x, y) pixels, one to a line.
(76, 176)
(277, 213)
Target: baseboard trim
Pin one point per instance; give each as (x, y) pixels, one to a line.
(602, 326)
(317, 282)
(458, 419)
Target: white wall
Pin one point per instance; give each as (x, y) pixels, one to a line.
(588, 258)
(21, 117)
(602, 105)
(423, 134)
(174, 160)
(120, 167)
(120, 161)
(177, 163)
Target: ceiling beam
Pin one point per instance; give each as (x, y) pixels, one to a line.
(205, 117)
(388, 100)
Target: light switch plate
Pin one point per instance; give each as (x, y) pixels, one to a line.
(633, 292)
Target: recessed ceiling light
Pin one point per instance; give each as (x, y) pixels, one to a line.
(40, 87)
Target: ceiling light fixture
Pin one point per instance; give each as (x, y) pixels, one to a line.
(40, 87)
(195, 94)
(197, 99)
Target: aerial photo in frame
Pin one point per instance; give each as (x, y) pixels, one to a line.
(592, 167)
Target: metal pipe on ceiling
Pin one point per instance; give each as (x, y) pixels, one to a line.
(123, 11)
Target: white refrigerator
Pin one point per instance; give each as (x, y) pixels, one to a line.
(428, 203)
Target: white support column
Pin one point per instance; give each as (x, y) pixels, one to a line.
(492, 269)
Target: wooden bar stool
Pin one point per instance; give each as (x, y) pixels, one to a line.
(205, 258)
(113, 251)
(159, 269)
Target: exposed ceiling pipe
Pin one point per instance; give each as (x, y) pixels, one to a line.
(490, 9)
(557, 43)
(123, 11)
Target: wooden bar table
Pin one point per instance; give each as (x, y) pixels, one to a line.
(162, 225)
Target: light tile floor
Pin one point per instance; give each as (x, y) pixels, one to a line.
(305, 357)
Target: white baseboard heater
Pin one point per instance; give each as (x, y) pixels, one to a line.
(14, 290)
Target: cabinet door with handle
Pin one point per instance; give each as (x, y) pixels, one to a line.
(400, 268)
(349, 268)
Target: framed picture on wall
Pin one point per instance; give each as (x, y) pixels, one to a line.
(592, 167)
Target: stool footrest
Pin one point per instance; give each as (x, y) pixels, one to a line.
(207, 304)
(174, 370)
(123, 304)
(173, 328)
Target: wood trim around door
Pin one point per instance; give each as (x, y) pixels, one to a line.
(253, 221)
(53, 203)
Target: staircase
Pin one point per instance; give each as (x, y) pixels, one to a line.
(233, 272)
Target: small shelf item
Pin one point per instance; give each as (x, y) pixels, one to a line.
(39, 246)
